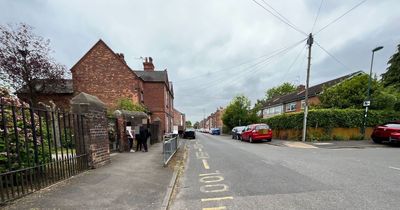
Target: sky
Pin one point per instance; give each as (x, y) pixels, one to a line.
(217, 49)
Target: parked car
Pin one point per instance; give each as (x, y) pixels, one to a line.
(388, 132)
(215, 131)
(257, 132)
(189, 133)
(237, 132)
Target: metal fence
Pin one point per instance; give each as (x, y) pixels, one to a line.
(170, 146)
(38, 147)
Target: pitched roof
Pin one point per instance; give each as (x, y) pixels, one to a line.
(312, 91)
(63, 86)
(152, 76)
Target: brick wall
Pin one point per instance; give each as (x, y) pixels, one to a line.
(155, 95)
(104, 74)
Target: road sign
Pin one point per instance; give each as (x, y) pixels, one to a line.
(367, 103)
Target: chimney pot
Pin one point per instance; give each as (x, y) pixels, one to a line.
(148, 64)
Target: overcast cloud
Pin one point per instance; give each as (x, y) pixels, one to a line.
(203, 42)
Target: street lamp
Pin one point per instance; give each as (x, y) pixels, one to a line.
(367, 103)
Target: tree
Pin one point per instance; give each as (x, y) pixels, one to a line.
(129, 105)
(196, 125)
(188, 124)
(25, 60)
(280, 90)
(238, 112)
(352, 92)
(392, 76)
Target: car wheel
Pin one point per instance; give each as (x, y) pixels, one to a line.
(377, 141)
(233, 137)
(269, 140)
(250, 139)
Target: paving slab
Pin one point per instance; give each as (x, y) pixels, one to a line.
(132, 181)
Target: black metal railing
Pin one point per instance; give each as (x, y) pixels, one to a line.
(38, 147)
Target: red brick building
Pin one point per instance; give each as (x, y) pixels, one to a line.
(214, 120)
(103, 73)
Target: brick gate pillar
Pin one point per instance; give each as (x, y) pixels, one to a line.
(95, 128)
(123, 140)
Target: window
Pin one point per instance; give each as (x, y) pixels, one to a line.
(141, 96)
(291, 107)
(303, 104)
(277, 109)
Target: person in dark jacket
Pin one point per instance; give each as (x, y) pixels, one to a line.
(144, 134)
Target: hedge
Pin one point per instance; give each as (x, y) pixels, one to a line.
(331, 118)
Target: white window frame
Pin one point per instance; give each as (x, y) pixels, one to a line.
(290, 107)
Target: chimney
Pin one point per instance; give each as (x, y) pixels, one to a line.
(121, 56)
(148, 64)
(301, 88)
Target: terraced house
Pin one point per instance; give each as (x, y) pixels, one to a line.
(103, 73)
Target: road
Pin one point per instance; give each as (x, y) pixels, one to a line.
(222, 173)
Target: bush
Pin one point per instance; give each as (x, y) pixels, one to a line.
(357, 137)
(338, 138)
(331, 118)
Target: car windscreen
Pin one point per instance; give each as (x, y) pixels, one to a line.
(392, 125)
(260, 127)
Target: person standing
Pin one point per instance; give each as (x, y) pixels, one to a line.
(130, 136)
(144, 134)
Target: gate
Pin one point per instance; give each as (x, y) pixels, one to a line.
(38, 147)
(155, 132)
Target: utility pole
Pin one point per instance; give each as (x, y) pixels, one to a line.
(310, 41)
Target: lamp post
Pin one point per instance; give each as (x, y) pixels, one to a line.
(367, 103)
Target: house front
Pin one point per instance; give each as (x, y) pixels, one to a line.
(294, 102)
(105, 74)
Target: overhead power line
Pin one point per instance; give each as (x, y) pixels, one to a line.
(332, 56)
(278, 13)
(295, 60)
(316, 18)
(338, 18)
(281, 19)
(248, 69)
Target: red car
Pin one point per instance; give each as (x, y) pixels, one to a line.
(257, 132)
(388, 132)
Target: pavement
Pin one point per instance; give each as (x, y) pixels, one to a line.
(222, 173)
(132, 181)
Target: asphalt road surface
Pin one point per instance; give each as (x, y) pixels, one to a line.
(222, 173)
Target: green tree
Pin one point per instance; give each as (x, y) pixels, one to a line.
(129, 105)
(188, 124)
(352, 92)
(25, 60)
(196, 125)
(392, 76)
(280, 90)
(238, 112)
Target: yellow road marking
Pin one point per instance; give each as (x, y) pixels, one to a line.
(215, 208)
(205, 164)
(212, 188)
(217, 199)
(211, 179)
